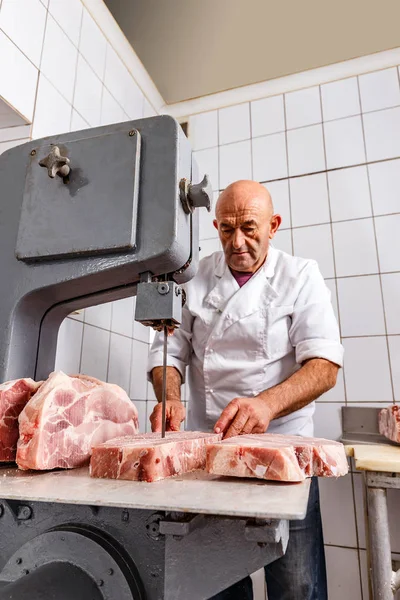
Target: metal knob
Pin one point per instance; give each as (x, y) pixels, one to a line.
(196, 195)
(55, 163)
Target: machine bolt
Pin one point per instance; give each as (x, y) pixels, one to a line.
(100, 583)
(110, 571)
(163, 288)
(153, 526)
(24, 513)
(18, 561)
(33, 152)
(125, 516)
(132, 133)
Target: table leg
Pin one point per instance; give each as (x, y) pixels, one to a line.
(379, 543)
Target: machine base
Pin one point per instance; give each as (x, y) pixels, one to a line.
(63, 551)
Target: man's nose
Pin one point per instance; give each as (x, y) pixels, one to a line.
(238, 239)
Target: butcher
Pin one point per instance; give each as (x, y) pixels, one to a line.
(260, 342)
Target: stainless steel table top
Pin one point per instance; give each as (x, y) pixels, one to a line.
(196, 492)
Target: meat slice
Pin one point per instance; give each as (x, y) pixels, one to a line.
(13, 397)
(67, 416)
(149, 457)
(389, 423)
(277, 457)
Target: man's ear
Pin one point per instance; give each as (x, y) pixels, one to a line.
(215, 223)
(275, 224)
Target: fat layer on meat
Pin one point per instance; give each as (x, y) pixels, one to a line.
(149, 457)
(277, 457)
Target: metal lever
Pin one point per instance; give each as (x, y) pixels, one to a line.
(196, 195)
(55, 163)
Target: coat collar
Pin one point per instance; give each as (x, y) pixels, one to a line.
(246, 300)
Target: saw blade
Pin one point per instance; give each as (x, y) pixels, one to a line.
(164, 383)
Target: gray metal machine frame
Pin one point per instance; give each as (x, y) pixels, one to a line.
(111, 210)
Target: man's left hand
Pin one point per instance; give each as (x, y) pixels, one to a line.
(244, 415)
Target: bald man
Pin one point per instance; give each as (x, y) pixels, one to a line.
(261, 343)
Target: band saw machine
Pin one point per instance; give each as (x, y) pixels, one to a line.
(86, 218)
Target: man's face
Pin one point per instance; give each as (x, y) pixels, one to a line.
(245, 229)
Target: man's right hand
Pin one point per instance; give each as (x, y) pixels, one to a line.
(175, 413)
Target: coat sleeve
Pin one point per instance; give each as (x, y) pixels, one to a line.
(179, 347)
(314, 331)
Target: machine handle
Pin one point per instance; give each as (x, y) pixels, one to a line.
(200, 194)
(196, 195)
(55, 163)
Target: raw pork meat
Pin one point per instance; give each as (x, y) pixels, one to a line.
(389, 423)
(277, 457)
(13, 397)
(67, 416)
(149, 457)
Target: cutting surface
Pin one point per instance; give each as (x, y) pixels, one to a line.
(196, 492)
(374, 457)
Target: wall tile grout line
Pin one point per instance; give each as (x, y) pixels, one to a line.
(39, 73)
(332, 242)
(377, 253)
(288, 179)
(308, 173)
(80, 358)
(218, 152)
(76, 74)
(19, 49)
(251, 142)
(358, 114)
(373, 335)
(357, 532)
(342, 168)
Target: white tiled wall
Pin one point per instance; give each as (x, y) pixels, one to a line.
(60, 73)
(330, 155)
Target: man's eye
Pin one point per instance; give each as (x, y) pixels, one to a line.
(226, 230)
(248, 229)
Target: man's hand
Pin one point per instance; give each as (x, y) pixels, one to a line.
(175, 413)
(244, 415)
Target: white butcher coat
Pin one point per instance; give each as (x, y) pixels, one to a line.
(237, 342)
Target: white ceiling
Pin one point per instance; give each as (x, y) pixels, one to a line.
(193, 48)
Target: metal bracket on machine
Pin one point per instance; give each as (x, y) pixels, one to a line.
(261, 531)
(267, 532)
(159, 303)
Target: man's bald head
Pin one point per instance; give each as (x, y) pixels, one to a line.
(242, 194)
(245, 223)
